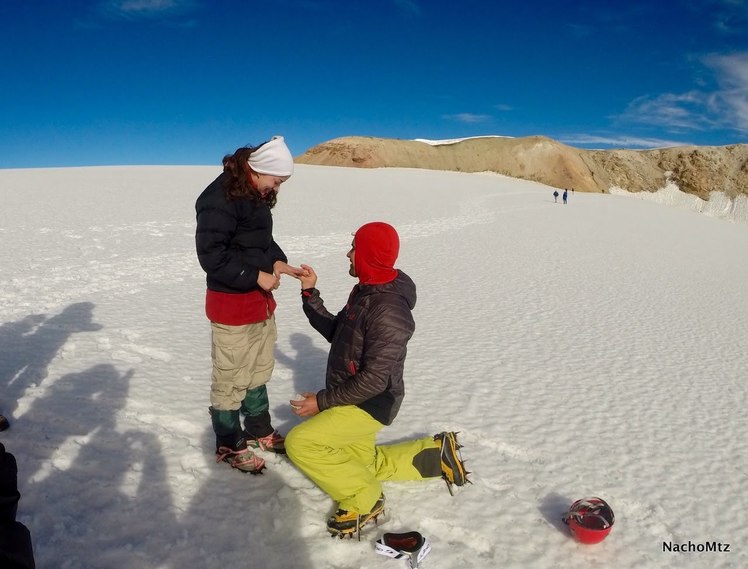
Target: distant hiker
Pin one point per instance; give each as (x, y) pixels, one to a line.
(566, 195)
(555, 196)
(244, 264)
(336, 447)
(16, 550)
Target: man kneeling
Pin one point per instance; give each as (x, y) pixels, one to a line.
(336, 447)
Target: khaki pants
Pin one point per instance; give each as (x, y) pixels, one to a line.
(242, 359)
(337, 450)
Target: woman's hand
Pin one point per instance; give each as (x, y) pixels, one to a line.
(267, 281)
(281, 268)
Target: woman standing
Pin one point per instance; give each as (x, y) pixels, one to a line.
(236, 249)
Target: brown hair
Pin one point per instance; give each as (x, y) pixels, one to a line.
(237, 184)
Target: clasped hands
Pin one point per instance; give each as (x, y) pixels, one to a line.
(306, 407)
(271, 281)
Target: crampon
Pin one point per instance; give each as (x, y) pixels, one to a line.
(243, 460)
(453, 467)
(274, 442)
(344, 524)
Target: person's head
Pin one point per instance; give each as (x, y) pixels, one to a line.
(257, 172)
(373, 253)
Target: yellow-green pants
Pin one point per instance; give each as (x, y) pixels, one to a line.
(336, 449)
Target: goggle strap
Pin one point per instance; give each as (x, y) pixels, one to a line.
(413, 557)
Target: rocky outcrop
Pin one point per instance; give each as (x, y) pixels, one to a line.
(697, 170)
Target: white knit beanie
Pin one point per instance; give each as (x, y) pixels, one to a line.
(272, 158)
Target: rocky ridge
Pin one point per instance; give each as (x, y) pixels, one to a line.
(696, 170)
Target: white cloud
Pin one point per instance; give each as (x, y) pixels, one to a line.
(675, 111)
(621, 141)
(724, 107)
(150, 6)
(146, 8)
(731, 100)
(469, 118)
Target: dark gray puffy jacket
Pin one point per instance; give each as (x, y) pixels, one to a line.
(369, 340)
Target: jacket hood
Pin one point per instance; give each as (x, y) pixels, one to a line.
(376, 248)
(401, 285)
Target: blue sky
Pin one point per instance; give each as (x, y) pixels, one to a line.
(108, 82)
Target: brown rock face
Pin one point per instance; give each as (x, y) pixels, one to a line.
(697, 170)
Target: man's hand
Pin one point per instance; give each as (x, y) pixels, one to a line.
(306, 407)
(308, 277)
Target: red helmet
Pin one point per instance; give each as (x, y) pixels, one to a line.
(590, 520)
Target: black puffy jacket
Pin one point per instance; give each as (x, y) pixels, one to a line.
(234, 239)
(369, 340)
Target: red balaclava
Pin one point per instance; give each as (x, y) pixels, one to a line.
(377, 245)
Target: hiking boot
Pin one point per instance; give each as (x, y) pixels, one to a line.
(453, 467)
(244, 460)
(274, 442)
(344, 523)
